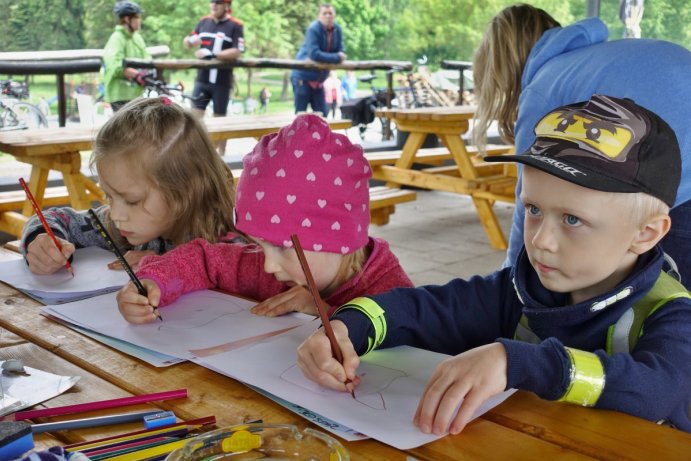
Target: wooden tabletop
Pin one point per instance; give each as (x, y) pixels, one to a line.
(446, 113)
(522, 428)
(51, 141)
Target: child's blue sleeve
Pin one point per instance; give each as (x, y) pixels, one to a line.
(450, 318)
(68, 224)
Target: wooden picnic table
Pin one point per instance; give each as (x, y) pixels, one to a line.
(524, 427)
(448, 123)
(59, 149)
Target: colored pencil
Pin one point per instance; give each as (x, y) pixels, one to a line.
(102, 230)
(148, 453)
(92, 422)
(137, 435)
(319, 303)
(100, 405)
(49, 231)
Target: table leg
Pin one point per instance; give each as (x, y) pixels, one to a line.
(70, 166)
(37, 185)
(483, 206)
(410, 148)
(93, 188)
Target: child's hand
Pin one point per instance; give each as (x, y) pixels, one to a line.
(132, 258)
(296, 299)
(318, 364)
(471, 377)
(44, 257)
(137, 308)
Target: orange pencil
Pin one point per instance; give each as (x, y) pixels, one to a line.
(49, 231)
(321, 308)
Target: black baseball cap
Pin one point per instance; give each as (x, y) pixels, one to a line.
(607, 144)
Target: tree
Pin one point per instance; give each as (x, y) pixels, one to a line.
(364, 25)
(64, 18)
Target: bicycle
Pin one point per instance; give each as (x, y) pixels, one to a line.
(154, 87)
(16, 114)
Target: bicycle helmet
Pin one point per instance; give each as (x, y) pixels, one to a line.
(126, 9)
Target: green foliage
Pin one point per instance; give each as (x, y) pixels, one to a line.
(28, 21)
(363, 27)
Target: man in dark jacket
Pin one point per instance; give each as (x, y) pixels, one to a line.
(323, 43)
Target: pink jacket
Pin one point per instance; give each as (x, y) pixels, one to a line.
(200, 265)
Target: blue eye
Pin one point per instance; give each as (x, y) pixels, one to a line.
(532, 210)
(571, 220)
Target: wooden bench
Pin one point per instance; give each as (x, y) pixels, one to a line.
(437, 156)
(382, 200)
(53, 196)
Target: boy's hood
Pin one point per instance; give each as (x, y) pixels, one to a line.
(560, 40)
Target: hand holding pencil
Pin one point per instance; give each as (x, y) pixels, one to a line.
(318, 364)
(46, 254)
(322, 309)
(137, 308)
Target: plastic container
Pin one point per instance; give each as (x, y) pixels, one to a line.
(261, 441)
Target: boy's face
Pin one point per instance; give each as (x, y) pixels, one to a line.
(577, 240)
(283, 264)
(138, 210)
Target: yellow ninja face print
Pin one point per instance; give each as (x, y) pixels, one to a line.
(607, 144)
(611, 138)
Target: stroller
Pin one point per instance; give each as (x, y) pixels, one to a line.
(361, 111)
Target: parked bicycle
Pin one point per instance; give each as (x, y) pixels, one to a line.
(16, 114)
(154, 86)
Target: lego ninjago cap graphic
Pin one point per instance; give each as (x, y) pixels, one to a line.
(607, 144)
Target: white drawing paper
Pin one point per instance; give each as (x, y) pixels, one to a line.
(201, 323)
(32, 387)
(392, 381)
(91, 277)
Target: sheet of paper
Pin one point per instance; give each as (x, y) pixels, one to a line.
(34, 387)
(146, 355)
(330, 425)
(198, 324)
(385, 401)
(91, 277)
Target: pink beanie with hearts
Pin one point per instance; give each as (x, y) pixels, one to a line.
(305, 180)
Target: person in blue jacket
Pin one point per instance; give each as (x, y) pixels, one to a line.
(323, 43)
(527, 64)
(585, 316)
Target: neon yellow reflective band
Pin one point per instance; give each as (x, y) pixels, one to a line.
(587, 378)
(376, 316)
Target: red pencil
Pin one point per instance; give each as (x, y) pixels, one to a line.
(320, 305)
(49, 231)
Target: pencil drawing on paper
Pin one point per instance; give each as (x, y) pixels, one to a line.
(205, 311)
(375, 381)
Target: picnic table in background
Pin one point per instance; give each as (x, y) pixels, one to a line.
(58, 149)
(485, 183)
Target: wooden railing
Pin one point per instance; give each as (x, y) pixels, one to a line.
(274, 63)
(60, 63)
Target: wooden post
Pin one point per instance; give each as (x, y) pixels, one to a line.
(62, 100)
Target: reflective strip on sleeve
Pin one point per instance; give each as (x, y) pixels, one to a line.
(376, 316)
(587, 378)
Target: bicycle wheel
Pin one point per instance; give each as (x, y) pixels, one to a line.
(29, 115)
(8, 119)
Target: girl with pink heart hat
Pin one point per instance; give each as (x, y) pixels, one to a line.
(304, 180)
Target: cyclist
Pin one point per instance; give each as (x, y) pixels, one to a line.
(216, 36)
(123, 84)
